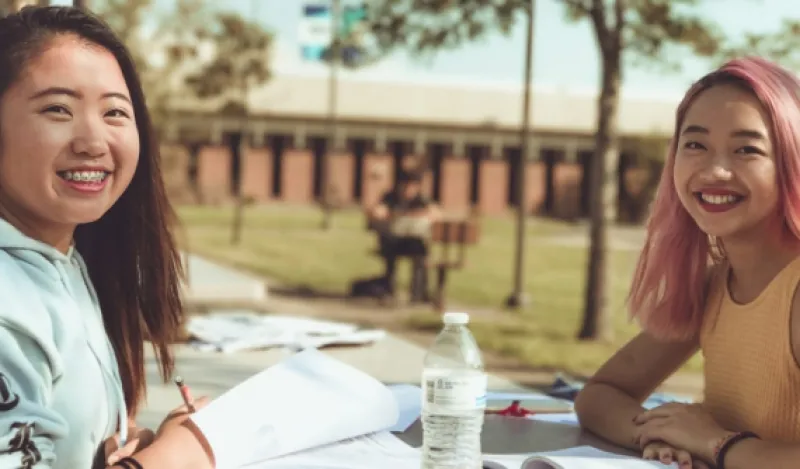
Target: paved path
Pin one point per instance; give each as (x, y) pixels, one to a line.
(207, 280)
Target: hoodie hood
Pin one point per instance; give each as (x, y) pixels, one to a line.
(12, 239)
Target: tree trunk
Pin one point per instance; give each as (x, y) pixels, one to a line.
(238, 208)
(597, 320)
(81, 4)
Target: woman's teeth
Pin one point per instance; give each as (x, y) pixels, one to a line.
(84, 176)
(720, 199)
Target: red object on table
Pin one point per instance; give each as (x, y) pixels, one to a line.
(514, 410)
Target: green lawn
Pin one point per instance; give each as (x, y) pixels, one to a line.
(287, 245)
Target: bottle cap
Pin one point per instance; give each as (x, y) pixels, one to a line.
(456, 318)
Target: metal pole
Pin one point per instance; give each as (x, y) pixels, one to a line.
(518, 298)
(333, 91)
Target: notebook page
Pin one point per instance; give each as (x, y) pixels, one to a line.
(587, 457)
(307, 400)
(378, 450)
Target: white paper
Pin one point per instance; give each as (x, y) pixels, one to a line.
(409, 405)
(379, 450)
(581, 457)
(307, 400)
(233, 331)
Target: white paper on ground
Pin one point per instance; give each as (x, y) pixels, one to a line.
(378, 450)
(409, 405)
(233, 331)
(307, 400)
(581, 457)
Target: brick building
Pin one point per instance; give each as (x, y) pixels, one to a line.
(468, 136)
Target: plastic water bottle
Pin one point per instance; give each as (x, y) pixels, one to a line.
(453, 398)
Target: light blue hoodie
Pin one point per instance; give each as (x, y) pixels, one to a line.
(60, 391)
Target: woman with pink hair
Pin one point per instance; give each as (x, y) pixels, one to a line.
(718, 274)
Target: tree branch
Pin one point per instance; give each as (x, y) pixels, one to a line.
(582, 7)
(597, 14)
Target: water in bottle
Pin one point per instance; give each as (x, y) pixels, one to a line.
(454, 398)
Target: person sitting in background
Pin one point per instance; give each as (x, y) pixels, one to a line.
(403, 220)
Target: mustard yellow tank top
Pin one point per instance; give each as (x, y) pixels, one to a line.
(752, 381)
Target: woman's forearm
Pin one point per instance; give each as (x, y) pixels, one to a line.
(179, 449)
(608, 412)
(752, 453)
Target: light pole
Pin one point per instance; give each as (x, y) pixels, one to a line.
(333, 130)
(518, 298)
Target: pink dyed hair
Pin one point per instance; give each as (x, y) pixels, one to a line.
(668, 292)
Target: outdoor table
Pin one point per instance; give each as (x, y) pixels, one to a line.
(516, 435)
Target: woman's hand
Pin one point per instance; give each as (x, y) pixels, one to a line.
(686, 426)
(138, 439)
(667, 454)
(177, 417)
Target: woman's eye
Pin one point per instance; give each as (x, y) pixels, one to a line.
(117, 113)
(693, 146)
(56, 109)
(750, 150)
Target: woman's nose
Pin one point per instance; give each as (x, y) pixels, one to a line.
(89, 140)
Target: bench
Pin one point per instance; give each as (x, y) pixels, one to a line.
(447, 246)
(452, 235)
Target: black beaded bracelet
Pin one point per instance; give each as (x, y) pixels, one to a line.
(130, 463)
(723, 450)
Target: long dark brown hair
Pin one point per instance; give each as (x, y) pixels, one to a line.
(130, 252)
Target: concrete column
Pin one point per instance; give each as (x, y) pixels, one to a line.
(343, 169)
(297, 176)
(493, 186)
(257, 173)
(455, 184)
(214, 173)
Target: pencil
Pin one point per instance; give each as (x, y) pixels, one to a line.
(186, 394)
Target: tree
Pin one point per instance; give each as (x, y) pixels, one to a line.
(651, 31)
(240, 60)
(782, 46)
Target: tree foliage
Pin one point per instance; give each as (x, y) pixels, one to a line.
(189, 50)
(781, 45)
(240, 59)
(648, 29)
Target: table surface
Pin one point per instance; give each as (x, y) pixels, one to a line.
(508, 435)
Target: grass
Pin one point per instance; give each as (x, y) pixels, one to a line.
(286, 244)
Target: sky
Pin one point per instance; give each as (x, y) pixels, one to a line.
(565, 53)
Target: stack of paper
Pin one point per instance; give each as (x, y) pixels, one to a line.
(233, 331)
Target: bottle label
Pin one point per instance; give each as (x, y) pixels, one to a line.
(453, 392)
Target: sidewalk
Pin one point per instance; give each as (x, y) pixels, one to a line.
(208, 281)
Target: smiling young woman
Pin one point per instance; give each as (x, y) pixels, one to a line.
(719, 273)
(88, 263)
